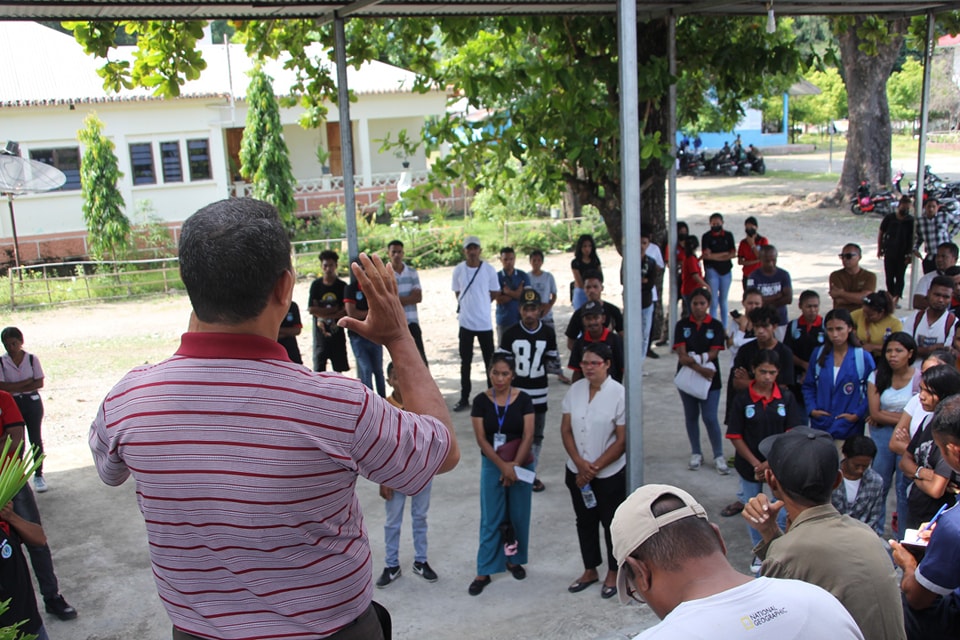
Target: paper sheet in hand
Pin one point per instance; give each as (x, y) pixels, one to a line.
(525, 475)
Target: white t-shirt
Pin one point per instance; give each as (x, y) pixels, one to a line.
(761, 608)
(852, 488)
(895, 399)
(923, 284)
(593, 422)
(926, 334)
(917, 414)
(546, 286)
(657, 256)
(475, 301)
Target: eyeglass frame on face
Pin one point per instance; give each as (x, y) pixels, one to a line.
(848, 256)
(632, 591)
(592, 363)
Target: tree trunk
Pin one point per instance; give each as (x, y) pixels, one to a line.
(868, 153)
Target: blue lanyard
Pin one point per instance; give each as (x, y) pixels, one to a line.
(496, 408)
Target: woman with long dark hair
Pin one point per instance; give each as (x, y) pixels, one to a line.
(889, 388)
(585, 260)
(835, 389)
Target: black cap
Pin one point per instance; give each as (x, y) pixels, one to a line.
(804, 460)
(592, 308)
(529, 297)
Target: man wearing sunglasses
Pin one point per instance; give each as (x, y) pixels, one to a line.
(672, 558)
(849, 285)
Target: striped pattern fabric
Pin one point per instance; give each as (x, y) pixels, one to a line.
(245, 466)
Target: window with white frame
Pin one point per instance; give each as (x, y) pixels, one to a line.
(141, 163)
(66, 159)
(198, 158)
(170, 163)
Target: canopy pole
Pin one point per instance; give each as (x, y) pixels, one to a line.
(670, 315)
(346, 136)
(630, 211)
(922, 148)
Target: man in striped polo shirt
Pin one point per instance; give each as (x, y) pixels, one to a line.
(246, 463)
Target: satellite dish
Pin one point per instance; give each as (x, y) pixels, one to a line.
(19, 176)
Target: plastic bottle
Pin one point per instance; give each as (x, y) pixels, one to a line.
(589, 498)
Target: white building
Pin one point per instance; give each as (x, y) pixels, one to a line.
(180, 154)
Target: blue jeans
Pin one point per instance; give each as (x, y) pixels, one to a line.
(720, 288)
(647, 316)
(493, 511)
(692, 409)
(886, 463)
(579, 298)
(750, 489)
(419, 504)
(369, 357)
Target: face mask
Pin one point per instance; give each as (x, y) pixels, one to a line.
(716, 228)
(751, 232)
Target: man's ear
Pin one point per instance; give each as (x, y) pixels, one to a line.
(723, 545)
(642, 576)
(283, 289)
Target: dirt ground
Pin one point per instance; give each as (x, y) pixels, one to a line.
(97, 535)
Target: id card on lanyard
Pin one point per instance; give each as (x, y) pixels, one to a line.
(500, 438)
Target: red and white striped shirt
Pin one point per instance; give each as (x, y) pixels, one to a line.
(245, 465)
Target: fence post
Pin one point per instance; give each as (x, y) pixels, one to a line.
(13, 300)
(46, 281)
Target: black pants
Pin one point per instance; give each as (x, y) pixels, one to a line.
(610, 492)
(372, 624)
(485, 338)
(31, 408)
(894, 269)
(25, 506)
(332, 348)
(418, 340)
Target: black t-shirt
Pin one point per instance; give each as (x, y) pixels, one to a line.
(896, 235)
(648, 271)
(745, 358)
(354, 296)
(326, 295)
(292, 319)
(583, 268)
(926, 453)
(15, 583)
(483, 407)
(753, 421)
(803, 339)
(701, 338)
(534, 352)
(609, 338)
(718, 243)
(612, 313)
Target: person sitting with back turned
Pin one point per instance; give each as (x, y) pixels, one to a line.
(672, 558)
(246, 464)
(821, 546)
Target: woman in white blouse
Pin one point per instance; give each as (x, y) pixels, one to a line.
(594, 434)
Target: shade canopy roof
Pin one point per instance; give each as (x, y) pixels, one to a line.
(278, 9)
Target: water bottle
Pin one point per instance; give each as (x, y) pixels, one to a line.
(589, 498)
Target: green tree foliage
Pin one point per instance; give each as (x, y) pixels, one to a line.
(903, 91)
(829, 105)
(549, 85)
(264, 157)
(108, 228)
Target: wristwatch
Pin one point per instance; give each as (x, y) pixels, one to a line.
(916, 474)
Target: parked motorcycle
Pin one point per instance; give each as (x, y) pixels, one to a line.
(689, 163)
(723, 162)
(880, 203)
(755, 158)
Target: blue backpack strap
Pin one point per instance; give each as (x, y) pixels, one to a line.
(861, 367)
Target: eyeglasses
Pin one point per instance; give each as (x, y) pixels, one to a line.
(849, 256)
(591, 363)
(631, 589)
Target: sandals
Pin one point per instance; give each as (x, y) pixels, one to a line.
(538, 486)
(519, 573)
(608, 592)
(732, 509)
(477, 586)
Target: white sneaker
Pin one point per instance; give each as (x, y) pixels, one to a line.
(39, 484)
(695, 461)
(721, 464)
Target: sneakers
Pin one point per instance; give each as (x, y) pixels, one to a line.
(461, 405)
(59, 607)
(389, 575)
(39, 484)
(721, 464)
(423, 569)
(695, 461)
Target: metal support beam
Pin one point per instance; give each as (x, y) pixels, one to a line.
(346, 136)
(670, 302)
(922, 150)
(630, 211)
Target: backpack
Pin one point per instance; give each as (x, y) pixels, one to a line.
(861, 369)
(951, 320)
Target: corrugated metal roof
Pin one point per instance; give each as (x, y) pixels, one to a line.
(49, 68)
(279, 9)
